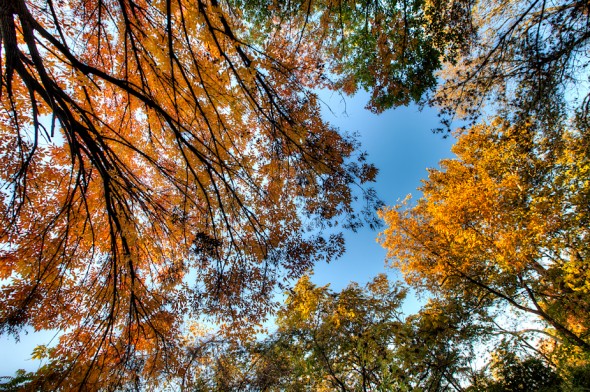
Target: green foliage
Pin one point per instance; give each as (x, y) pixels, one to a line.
(508, 372)
(341, 340)
(511, 373)
(358, 340)
(390, 48)
(18, 382)
(578, 379)
(354, 340)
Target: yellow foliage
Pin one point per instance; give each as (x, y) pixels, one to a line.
(507, 219)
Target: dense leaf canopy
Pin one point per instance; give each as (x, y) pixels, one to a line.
(506, 221)
(164, 163)
(166, 160)
(353, 340)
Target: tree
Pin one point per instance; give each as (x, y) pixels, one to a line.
(504, 225)
(340, 341)
(529, 60)
(166, 160)
(390, 48)
(16, 383)
(511, 373)
(155, 167)
(356, 340)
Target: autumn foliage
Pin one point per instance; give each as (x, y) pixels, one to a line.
(164, 166)
(155, 168)
(504, 223)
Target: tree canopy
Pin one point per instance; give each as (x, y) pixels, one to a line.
(358, 339)
(166, 160)
(353, 340)
(529, 60)
(502, 228)
(505, 222)
(165, 163)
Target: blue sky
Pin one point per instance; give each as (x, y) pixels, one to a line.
(399, 142)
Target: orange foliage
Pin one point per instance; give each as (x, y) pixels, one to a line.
(154, 168)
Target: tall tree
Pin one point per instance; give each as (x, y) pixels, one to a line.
(155, 167)
(511, 373)
(391, 48)
(504, 225)
(162, 160)
(530, 59)
(356, 340)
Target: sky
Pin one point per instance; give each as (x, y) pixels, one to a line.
(402, 146)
